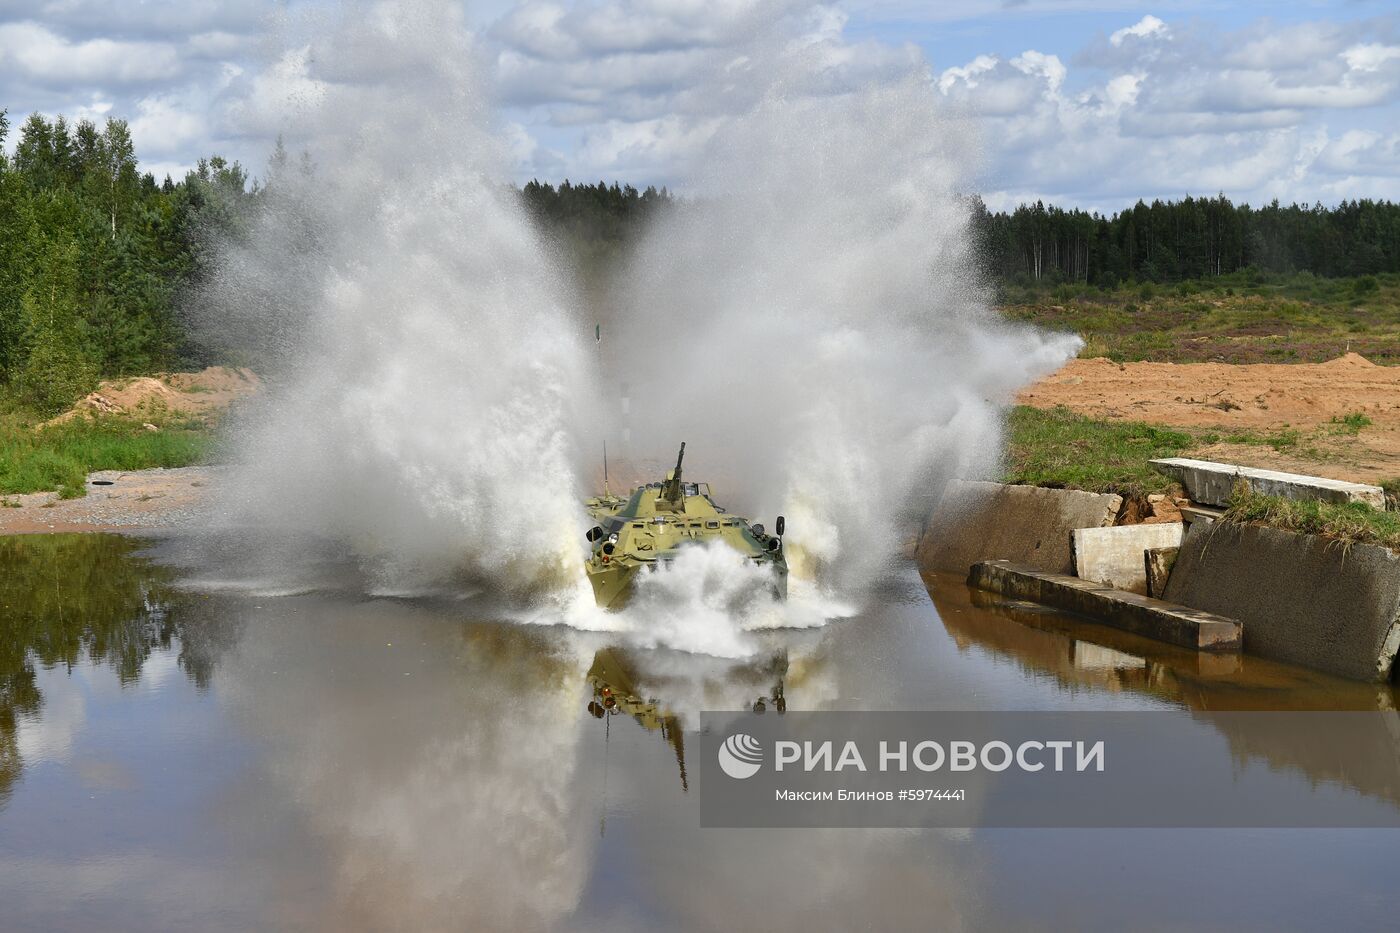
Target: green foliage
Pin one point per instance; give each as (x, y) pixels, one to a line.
(60, 457)
(96, 255)
(1189, 240)
(1059, 448)
(1348, 523)
(593, 226)
(56, 370)
(1351, 423)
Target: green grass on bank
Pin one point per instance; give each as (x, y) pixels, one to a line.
(1348, 523)
(60, 457)
(1059, 448)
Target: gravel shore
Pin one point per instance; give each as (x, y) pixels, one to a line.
(116, 501)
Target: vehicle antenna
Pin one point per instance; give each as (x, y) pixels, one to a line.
(598, 343)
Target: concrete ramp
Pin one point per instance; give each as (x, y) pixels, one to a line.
(1152, 618)
(1027, 524)
(1211, 483)
(1302, 599)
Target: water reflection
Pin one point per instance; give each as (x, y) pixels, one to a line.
(625, 683)
(1076, 654)
(1357, 752)
(389, 763)
(70, 599)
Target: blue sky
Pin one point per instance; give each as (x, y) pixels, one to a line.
(1076, 101)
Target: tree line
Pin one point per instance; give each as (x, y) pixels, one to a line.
(97, 258)
(1168, 241)
(95, 255)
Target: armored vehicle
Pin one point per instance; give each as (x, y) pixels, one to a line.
(649, 528)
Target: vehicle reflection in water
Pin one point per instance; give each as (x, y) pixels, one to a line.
(617, 690)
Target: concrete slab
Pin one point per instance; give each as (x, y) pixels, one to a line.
(1302, 599)
(1152, 618)
(1211, 483)
(1158, 563)
(1029, 524)
(1114, 556)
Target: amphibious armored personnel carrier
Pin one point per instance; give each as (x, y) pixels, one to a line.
(650, 527)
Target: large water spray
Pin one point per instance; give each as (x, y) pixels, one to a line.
(816, 316)
(429, 376)
(808, 319)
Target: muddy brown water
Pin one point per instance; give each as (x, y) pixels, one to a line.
(177, 756)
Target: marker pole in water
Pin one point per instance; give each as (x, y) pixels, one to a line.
(598, 342)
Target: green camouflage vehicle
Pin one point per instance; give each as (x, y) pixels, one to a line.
(655, 522)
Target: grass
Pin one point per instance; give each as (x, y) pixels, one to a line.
(60, 457)
(1061, 449)
(1348, 523)
(1233, 318)
(1350, 423)
(1284, 439)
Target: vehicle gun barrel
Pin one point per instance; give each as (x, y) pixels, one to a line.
(672, 491)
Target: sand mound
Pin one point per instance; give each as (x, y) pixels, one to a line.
(1349, 361)
(202, 395)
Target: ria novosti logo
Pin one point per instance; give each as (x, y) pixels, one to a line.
(741, 756)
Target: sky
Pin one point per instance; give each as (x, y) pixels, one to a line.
(1079, 102)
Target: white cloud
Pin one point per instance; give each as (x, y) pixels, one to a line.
(1147, 27)
(28, 51)
(163, 127)
(966, 74)
(1039, 65)
(632, 89)
(1371, 57)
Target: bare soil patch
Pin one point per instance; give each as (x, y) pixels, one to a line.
(1280, 416)
(196, 396)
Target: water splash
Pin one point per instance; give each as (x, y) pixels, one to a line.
(812, 321)
(431, 373)
(840, 359)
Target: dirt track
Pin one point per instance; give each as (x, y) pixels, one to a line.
(1259, 399)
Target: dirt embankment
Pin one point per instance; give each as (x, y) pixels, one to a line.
(194, 396)
(1294, 415)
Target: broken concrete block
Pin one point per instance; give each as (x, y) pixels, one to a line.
(1028, 524)
(1114, 556)
(1211, 483)
(1158, 563)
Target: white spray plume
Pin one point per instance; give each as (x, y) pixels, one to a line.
(812, 324)
(433, 373)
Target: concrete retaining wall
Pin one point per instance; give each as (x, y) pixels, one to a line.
(1026, 524)
(1302, 599)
